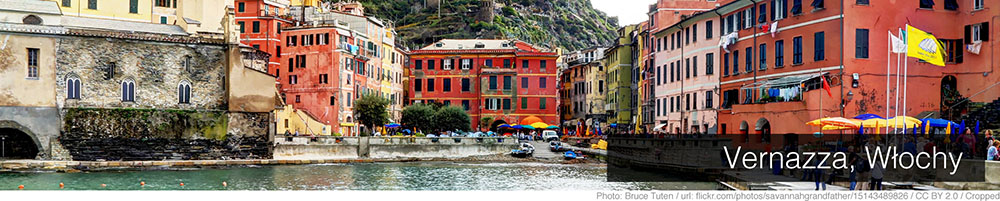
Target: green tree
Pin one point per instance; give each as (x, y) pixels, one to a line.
(485, 122)
(419, 116)
(450, 118)
(370, 111)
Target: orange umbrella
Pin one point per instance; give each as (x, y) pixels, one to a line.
(530, 120)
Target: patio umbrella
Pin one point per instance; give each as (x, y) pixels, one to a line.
(503, 126)
(867, 116)
(407, 130)
(528, 127)
(940, 123)
(552, 127)
(392, 125)
(835, 121)
(903, 122)
(517, 127)
(539, 125)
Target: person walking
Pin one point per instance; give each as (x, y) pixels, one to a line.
(877, 174)
(852, 159)
(991, 152)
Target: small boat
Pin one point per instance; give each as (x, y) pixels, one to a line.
(525, 150)
(555, 146)
(569, 155)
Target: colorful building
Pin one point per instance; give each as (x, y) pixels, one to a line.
(618, 59)
(260, 23)
(684, 76)
(507, 80)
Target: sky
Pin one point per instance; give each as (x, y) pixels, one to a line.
(628, 11)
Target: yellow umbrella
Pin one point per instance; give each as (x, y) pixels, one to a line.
(832, 127)
(539, 125)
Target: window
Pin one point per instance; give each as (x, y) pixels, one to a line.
(861, 43)
(951, 4)
(796, 7)
(466, 64)
(430, 84)
(694, 64)
(736, 62)
(748, 18)
(73, 88)
(659, 76)
(506, 63)
(418, 85)
(977, 4)
(819, 53)
(506, 103)
(67, 3)
(465, 84)
(92, 4)
(446, 64)
(133, 6)
(778, 9)
(446, 84)
(298, 98)
(524, 82)
(862, 2)
(128, 91)
(418, 64)
(524, 63)
(694, 33)
(779, 53)
(465, 104)
(708, 29)
(762, 16)
(541, 103)
(687, 68)
(163, 20)
(524, 103)
(763, 56)
(953, 48)
(543, 64)
(709, 63)
(749, 59)
(489, 63)
(333, 100)
(928, 4)
(975, 33)
(672, 72)
(541, 82)
(797, 50)
(600, 86)
(725, 64)
(293, 79)
(687, 36)
(430, 64)
(302, 60)
(184, 93)
(507, 83)
(708, 100)
(817, 4)
(493, 82)
(33, 63)
(324, 79)
(256, 26)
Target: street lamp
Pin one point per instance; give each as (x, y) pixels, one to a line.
(3, 146)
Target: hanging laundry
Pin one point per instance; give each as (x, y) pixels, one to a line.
(974, 47)
(774, 28)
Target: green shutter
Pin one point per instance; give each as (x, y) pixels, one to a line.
(133, 6)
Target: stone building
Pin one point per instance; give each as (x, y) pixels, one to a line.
(101, 89)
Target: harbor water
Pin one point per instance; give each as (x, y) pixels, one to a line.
(357, 176)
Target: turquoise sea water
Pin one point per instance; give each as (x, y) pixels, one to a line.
(367, 176)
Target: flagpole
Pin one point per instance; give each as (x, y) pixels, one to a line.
(896, 108)
(888, 57)
(905, 75)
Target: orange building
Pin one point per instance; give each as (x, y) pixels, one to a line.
(260, 23)
(505, 79)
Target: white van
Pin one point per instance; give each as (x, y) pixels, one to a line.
(550, 135)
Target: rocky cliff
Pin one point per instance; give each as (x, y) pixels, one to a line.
(570, 24)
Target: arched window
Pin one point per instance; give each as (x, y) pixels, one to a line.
(128, 91)
(73, 88)
(31, 19)
(184, 92)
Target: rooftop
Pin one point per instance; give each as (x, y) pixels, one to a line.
(118, 25)
(42, 7)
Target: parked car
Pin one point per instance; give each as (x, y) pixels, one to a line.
(550, 135)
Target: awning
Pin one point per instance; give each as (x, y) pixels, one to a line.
(659, 127)
(785, 81)
(347, 124)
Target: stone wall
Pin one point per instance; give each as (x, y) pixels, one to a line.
(157, 68)
(147, 134)
(326, 147)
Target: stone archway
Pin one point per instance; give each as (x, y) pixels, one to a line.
(18, 142)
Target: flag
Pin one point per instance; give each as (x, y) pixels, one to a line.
(974, 47)
(922, 45)
(898, 46)
(826, 86)
(861, 130)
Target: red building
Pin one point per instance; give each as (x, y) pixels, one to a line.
(318, 74)
(772, 82)
(508, 80)
(260, 23)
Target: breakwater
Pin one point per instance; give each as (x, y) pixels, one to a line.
(328, 147)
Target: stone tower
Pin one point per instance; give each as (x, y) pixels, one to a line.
(486, 8)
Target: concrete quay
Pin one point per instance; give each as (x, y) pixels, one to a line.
(72, 166)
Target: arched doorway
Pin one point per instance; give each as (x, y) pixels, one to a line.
(764, 129)
(16, 144)
(950, 98)
(496, 123)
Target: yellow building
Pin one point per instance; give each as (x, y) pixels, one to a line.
(307, 2)
(294, 121)
(130, 10)
(194, 16)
